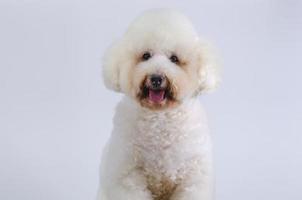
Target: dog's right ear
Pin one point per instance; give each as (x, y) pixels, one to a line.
(111, 67)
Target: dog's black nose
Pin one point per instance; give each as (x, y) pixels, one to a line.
(156, 81)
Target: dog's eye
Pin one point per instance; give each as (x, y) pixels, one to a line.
(146, 56)
(174, 59)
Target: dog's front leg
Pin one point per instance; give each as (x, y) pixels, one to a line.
(130, 187)
(197, 187)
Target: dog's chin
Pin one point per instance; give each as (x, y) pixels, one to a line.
(157, 99)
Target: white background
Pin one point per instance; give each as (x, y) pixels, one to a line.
(55, 114)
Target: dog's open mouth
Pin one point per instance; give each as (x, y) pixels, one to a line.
(156, 96)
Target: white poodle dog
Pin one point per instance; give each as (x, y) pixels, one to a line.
(160, 147)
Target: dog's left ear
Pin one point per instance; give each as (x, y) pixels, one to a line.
(208, 69)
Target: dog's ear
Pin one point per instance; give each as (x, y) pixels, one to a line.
(208, 68)
(111, 67)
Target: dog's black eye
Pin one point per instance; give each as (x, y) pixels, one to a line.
(174, 59)
(146, 56)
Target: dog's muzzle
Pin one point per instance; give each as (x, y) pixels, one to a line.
(154, 88)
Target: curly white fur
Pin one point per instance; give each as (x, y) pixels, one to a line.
(158, 154)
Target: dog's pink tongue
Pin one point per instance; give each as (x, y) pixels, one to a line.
(156, 96)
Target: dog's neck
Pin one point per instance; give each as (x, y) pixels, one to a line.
(183, 107)
(174, 122)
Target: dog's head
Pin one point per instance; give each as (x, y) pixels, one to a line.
(160, 61)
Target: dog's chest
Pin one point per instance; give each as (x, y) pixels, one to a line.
(156, 153)
(168, 146)
(164, 149)
(163, 143)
